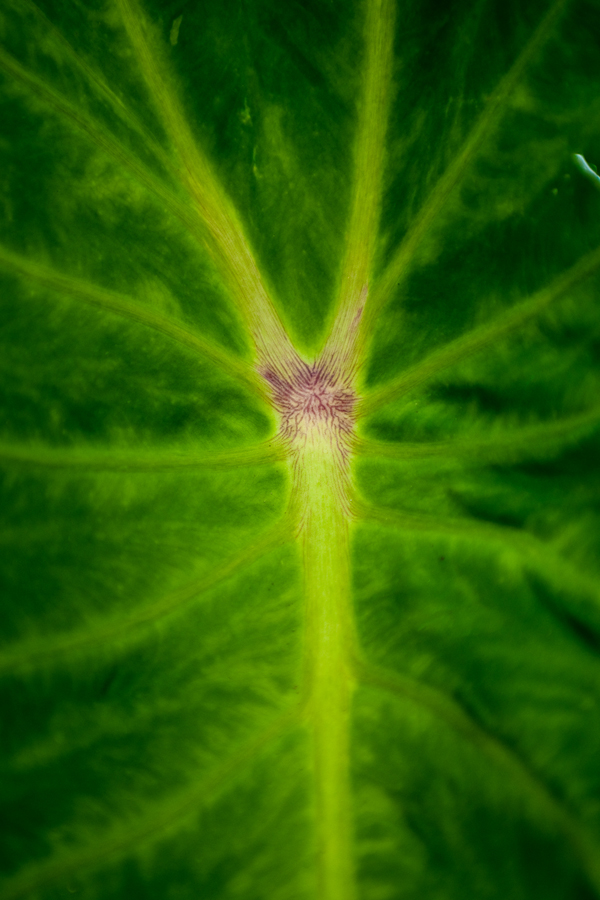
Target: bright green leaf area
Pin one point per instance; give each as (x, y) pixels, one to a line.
(299, 446)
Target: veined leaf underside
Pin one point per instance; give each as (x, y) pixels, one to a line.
(309, 528)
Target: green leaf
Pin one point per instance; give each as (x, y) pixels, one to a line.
(299, 442)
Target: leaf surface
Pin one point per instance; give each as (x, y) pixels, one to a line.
(299, 436)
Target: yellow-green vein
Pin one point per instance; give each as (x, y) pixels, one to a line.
(577, 836)
(480, 337)
(94, 132)
(92, 458)
(98, 84)
(328, 682)
(534, 442)
(31, 653)
(400, 264)
(373, 110)
(228, 243)
(107, 848)
(120, 305)
(553, 566)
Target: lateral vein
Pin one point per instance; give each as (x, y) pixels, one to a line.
(553, 565)
(121, 305)
(97, 82)
(582, 843)
(27, 653)
(228, 244)
(95, 133)
(342, 343)
(109, 849)
(399, 266)
(480, 337)
(535, 442)
(95, 459)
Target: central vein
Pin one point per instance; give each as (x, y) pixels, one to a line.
(316, 410)
(328, 664)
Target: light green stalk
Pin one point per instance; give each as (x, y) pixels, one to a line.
(328, 657)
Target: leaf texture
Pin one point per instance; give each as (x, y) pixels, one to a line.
(299, 442)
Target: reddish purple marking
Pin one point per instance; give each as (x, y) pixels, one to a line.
(313, 396)
(356, 318)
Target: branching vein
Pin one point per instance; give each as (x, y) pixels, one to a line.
(534, 551)
(480, 337)
(98, 84)
(227, 243)
(342, 344)
(120, 305)
(582, 843)
(514, 445)
(97, 135)
(494, 109)
(93, 459)
(109, 848)
(33, 653)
